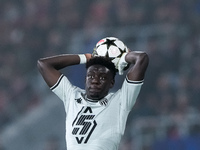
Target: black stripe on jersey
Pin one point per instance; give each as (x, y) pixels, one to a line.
(104, 102)
(134, 82)
(94, 126)
(77, 116)
(74, 132)
(85, 128)
(57, 83)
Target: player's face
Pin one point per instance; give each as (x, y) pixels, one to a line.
(99, 80)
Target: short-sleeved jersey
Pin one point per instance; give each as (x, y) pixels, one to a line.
(95, 125)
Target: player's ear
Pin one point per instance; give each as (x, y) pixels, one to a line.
(112, 83)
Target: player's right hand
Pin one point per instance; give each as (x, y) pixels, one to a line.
(88, 56)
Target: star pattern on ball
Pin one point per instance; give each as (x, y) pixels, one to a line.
(109, 47)
(109, 43)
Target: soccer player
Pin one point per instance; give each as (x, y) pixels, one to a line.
(95, 118)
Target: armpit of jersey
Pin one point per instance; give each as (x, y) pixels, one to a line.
(134, 82)
(57, 83)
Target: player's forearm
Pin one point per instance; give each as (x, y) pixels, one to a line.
(60, 61)
(49, 67)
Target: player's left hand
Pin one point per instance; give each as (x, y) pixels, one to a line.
(122, 64)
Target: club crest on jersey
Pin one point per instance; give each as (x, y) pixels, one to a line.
(83, 125)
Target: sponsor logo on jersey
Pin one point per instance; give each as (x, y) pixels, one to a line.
(84, 125)
(78, 100)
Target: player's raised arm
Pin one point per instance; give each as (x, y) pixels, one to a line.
(139, 61)
(49, 67)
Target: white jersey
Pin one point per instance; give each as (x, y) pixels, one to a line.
(95, 126)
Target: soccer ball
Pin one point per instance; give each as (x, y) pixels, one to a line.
(110, 47)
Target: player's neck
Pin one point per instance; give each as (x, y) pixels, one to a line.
(90, 100)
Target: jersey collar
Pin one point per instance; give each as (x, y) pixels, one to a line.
(101, 102)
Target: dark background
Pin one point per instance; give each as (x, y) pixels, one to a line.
(166, 114)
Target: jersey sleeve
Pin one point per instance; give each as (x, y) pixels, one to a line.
(63, 89)
(129, 93)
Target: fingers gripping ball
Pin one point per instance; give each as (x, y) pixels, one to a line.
(112, 48)
(122, 64)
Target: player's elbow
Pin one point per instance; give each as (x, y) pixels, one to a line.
(138, 57)
(144, 59)
(40, 65)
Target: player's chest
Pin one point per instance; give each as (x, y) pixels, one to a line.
(89, 121)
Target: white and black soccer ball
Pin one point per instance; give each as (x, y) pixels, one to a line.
(110, 47)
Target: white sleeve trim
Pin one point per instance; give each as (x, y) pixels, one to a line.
(134, 82)
(57, 83)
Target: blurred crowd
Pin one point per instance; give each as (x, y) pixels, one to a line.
(30, 29)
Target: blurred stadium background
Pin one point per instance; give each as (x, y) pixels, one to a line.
(166, 115)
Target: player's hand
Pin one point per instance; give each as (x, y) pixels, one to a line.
(88, 56)
(122, 64)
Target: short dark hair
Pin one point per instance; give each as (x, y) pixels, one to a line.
(104, 62)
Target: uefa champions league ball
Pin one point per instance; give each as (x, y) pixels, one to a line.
(110, 47)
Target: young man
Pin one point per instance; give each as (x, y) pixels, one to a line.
(95, 118)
